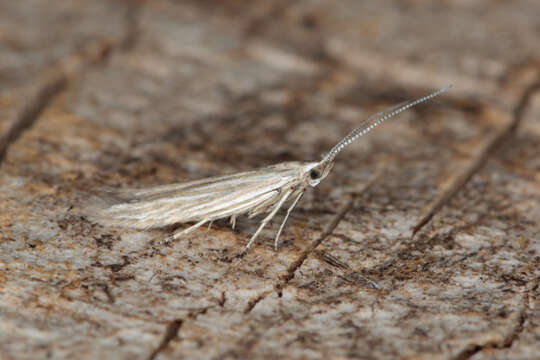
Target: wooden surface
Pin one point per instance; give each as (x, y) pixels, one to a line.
(133, 94)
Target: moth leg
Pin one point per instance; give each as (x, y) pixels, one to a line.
(267, 219)
(289, 210)
(189, 229)
(210, 225)
(233, 221)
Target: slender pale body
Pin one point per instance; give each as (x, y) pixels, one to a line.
(263, 190)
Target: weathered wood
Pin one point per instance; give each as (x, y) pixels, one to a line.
(128, 93)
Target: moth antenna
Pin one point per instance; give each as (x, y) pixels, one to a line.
(375, 120)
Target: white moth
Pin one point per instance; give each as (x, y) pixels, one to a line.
(264, 190)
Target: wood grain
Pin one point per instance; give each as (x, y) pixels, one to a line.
(148, 93)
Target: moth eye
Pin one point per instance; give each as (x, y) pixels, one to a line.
(314, 174)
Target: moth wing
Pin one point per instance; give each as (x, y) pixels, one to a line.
(210, 198)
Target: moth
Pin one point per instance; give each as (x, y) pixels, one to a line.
(260, 191)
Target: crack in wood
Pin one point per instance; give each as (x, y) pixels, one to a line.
(222, 300)
(107, 292)
(171, 332)
(56, 79)
(42, 95)
(326, 233)
(489, 146)
(253, 302)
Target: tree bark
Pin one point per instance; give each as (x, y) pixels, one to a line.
(98, 94)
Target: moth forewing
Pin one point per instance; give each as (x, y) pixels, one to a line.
(264, 190)
(207, 199)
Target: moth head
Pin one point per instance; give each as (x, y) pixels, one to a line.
(317, 172)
